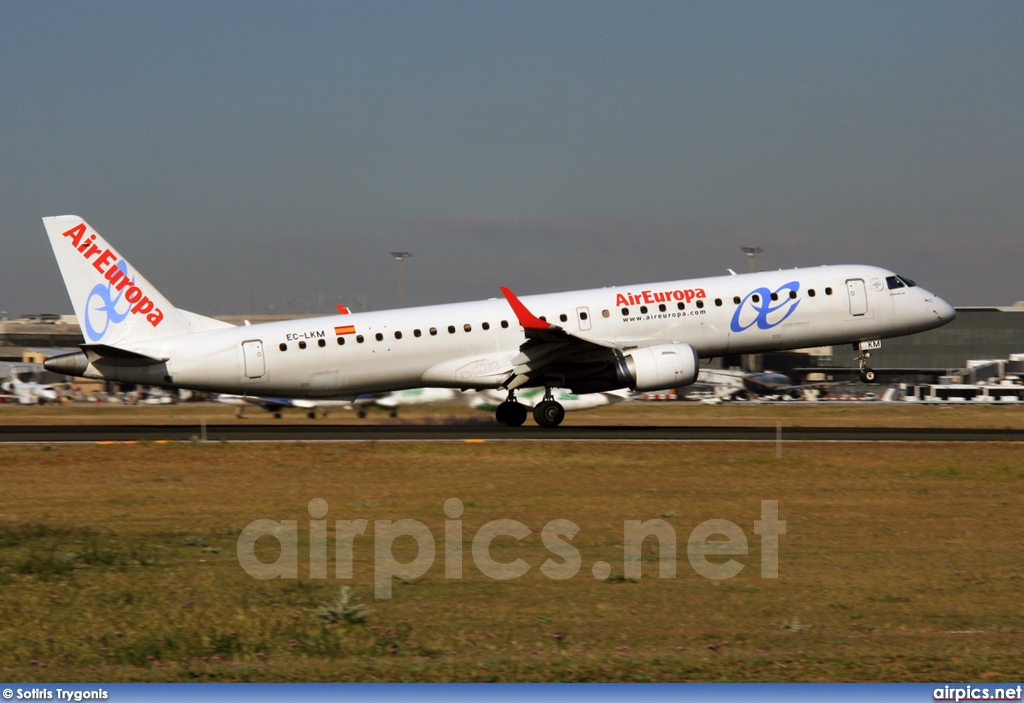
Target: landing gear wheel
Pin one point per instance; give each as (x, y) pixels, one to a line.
(311, 414)
(867, 376)
(393, 413)
(511, 414)
(361, 414)
(277, 416)
(549, 413)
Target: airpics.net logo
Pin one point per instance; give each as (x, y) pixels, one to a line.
(709, 547)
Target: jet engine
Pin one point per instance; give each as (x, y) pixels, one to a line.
(658, 367)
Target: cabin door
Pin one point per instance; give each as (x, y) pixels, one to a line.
(255, 365)
(858, 297)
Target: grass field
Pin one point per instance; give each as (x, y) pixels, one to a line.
(901, 562)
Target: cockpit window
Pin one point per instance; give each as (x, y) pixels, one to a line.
(894, 282)
(907, 282)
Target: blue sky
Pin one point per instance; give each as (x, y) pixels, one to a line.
(256, 156)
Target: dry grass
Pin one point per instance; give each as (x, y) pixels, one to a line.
(901, 562)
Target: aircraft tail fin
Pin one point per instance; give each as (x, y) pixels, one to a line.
(116, 306)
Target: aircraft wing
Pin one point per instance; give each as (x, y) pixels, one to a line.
(549, 348)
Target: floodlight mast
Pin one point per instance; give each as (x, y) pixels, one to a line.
(751, 359)
(400, 257)
(750, 251)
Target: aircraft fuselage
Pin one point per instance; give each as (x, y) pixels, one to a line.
(472, 345)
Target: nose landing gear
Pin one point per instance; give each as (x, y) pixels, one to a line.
(866, 375)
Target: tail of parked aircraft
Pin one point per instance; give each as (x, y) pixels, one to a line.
(116, 306)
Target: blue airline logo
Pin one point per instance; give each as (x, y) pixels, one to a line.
(759, 309)
(100, 305)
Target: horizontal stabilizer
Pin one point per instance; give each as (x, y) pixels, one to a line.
(108, 352)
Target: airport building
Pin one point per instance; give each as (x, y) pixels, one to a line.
(976, 333)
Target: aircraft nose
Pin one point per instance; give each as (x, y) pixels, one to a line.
(944, 310)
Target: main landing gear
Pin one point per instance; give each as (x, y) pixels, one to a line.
(547, 413)
(511, 413)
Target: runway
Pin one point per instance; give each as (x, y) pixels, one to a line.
(470, 433)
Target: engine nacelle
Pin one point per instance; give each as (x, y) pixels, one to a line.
(658, 367)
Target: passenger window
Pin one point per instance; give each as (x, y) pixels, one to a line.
(451, 329)
(700, 303)
(681, 306)
(398, 335)
(756, 298)
(662, 307)
(321, 342)
(359, 338)
(417, 333)
(625, 311)
(433, 331)
(792, 295)
(605, 313)
(736, 299)
(828, 291)
(775, 296)
(810, 292)
(643, 309)
(467, 327)
(485, 325)
(504, 324)
(284, 347)
(379, 337)
(302, 345)
(718, 302)
(341, 341)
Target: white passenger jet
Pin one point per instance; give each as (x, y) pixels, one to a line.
(28, 393)
(644, 337)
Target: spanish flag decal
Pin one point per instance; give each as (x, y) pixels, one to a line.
(345, 329)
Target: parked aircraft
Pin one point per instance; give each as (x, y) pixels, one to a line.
(734, 384)
(644, 337)
(386, 401)
(27, 393)
(277, 406)
(391, 402)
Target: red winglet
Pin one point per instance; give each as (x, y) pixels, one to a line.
(527, 319)
(342, 310)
